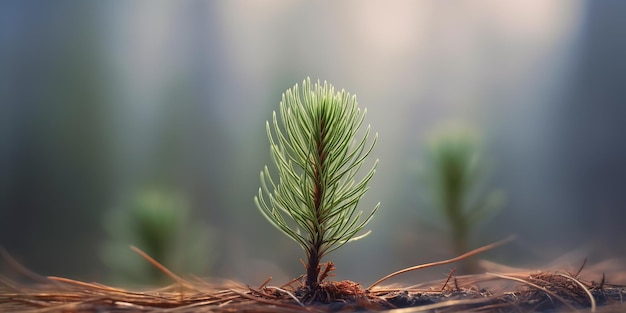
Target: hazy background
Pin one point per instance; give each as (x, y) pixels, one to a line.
(100, 100)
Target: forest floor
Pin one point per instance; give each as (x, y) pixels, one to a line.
(499, 290)
(520, 291)
(537, 292)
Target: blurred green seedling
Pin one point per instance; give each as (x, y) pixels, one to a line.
(158, 222)
(455, 174)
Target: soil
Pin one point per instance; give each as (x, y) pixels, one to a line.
(536, 292)
(507, 291)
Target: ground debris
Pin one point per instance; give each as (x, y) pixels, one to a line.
(534, 292)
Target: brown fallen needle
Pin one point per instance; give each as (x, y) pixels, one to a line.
(443, 262)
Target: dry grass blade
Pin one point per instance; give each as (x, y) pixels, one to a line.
(85, 285)
(448, 261)
(437, 307)
(275, 303)
(19, 268)
(265, 282)
(448, 279)
(291, 295)
(162, 268)
(580, 269)
(592, 300)
(571, 307)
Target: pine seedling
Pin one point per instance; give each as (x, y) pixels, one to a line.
(313, 198)
(158, 221)
(456, 170)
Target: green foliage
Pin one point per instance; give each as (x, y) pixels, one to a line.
(317, 157)
(158, 223)
(456, 170)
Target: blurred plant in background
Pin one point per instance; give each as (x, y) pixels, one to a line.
(455, 175)
(159, 223)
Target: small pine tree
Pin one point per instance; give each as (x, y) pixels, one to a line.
(317, 157)
(455, 171)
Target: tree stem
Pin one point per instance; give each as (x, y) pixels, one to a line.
(313, 271)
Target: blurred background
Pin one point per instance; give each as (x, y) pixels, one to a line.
(114, 107)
